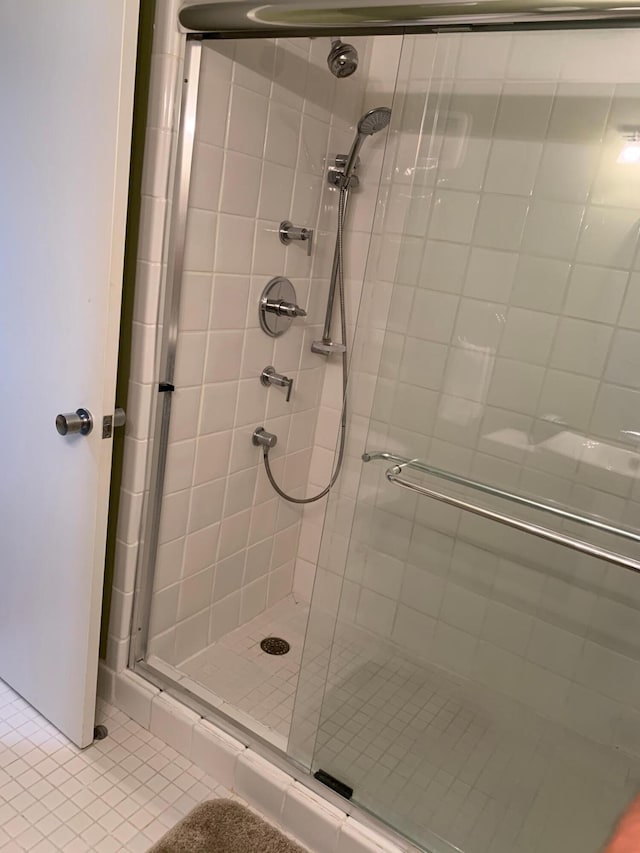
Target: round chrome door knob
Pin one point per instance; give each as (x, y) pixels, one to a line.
(78, 422)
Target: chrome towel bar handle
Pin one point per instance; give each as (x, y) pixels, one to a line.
(512, 497)
(393, 476)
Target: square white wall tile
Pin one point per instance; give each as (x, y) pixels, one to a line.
(552, 229)
(596, 293)
(490, 274)
(581, 347)
(240, 184)
(453, 216)
(624, 357)
(609, 237)
(501, 221)
(540, 283)
(513, 167)
(528, 335)
(247, 121)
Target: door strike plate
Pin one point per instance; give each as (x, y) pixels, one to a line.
(110, 422)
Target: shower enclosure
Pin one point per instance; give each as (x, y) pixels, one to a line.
(460, 617)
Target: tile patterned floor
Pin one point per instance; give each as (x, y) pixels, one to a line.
(121, 794)
(432, 753)
(424, 749)
(242, 675)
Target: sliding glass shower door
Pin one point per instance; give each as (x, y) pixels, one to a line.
(472, 665)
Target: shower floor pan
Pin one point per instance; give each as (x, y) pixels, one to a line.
(260, 686)
(424, 749)
(431, 752)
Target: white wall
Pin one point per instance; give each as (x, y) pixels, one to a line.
(365, 204)
(510, 239)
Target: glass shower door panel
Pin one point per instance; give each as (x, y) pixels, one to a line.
(490, 706)
(481, 685)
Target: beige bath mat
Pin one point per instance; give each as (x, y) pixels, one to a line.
(223, 826)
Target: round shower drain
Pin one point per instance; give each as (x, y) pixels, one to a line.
(274, 646)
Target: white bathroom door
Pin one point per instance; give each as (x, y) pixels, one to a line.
(67, 73)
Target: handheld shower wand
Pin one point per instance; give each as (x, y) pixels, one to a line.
(370, 123)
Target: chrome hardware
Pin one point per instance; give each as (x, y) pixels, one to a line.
(336, 173)
(394, 475)
(270, 377)
(283, 309)
(512, 497)
(289, 232)
(70, 423)
(327, 347)
(111, 422)
(247, 17)
(343, 58)
(341, 161)
(336, 178)
(262, 438)
(278, 307)
(119, 418)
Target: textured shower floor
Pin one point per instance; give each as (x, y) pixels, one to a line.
(427, 751)
(432, 753)
(260, 685)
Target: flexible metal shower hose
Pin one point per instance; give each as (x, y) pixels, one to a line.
(342, 205)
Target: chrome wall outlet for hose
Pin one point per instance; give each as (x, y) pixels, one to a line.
(262, 438)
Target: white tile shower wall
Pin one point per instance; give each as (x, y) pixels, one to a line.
(212, 747)
(511, 336)
(326, 530)
(268, 116)
(346, 104)
(364, 204)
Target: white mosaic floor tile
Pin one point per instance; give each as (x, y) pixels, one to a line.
(432, 753)
(436, 754)
(237, 671)
(120, 794)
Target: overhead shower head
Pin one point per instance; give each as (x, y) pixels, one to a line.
(342, 59)
(375, 120)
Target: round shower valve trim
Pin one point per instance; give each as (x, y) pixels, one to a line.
(278, 307)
